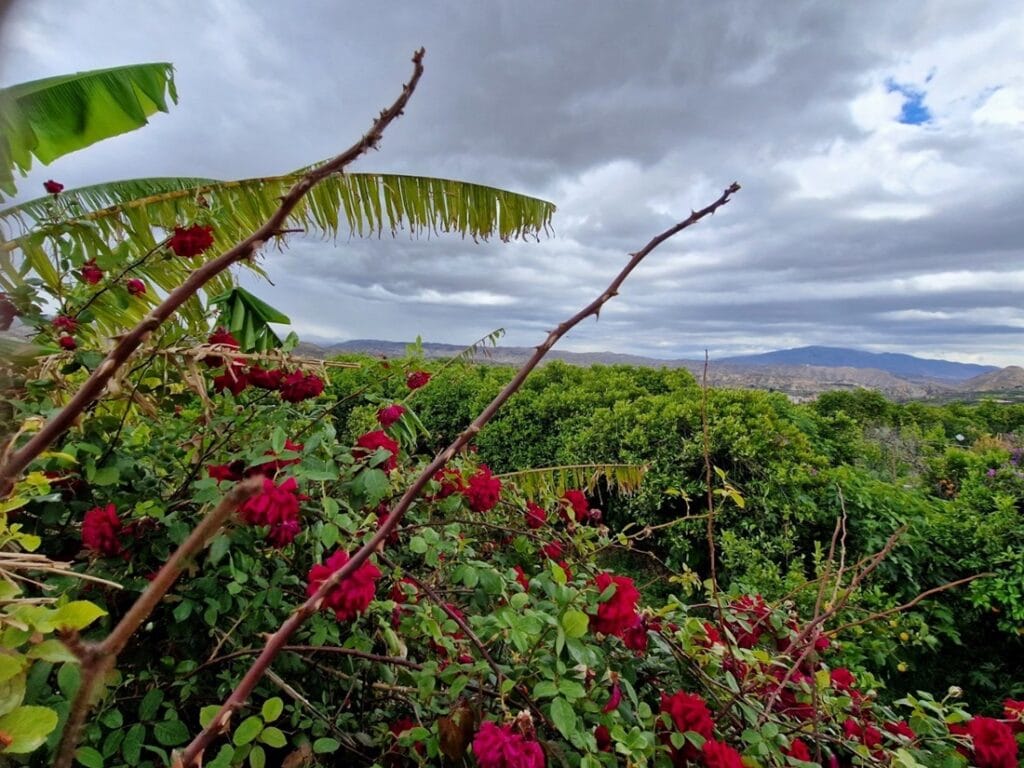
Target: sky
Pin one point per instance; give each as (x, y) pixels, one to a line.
(880, 147)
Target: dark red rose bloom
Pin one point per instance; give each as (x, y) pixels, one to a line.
(234, 379)
(688, 713)
(483, 490)
(451, 483)
(53, 187)
(67, 342)
(389, 415)
(101, 528)
(618, 613)
(353, 595)
(298, 386)
(7, 312)
(135, 286)
(799, 750)
(718, 754)
(842, 679)
(754, 614)
(233, 471)
(272, 467)
(900, 728)
(417, 379)
(576, 506)
(864, 733)
(65, 324)
(402, 725)
(536, 516)
(264, 379)
(367, 445)
(614, 699)
(553, 550)
(497, 746)
(1014, 712)
(604, 738)
(277, 507)
(401, 589)
(91, 273)
(220, 337)
(993, 742)
(522, 578)
(712, 635)
(191, 241)
(636, 637)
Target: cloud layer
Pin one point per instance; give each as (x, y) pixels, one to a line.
(879, 146)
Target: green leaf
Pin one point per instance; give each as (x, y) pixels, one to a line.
(28, 728)
(112, 718)
(69, 677)
(89, 757)
(171, 733)
(207, 713)
(571, 689)
(273, 737)
(131, 747)
(272, 709)
(77, 614)
(106, 476)
(418, 545)
(375, 485)
(325, 745)
(257, 757)
(545, 689)
(48, 650)
(564, 717)
(219, 547)
(575, 623)
(150, 703)
(12, 664)
(12, 692)
(247, 730)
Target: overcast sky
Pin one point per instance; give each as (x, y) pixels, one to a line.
(880, 147)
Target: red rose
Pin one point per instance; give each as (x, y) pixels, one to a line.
(483, 490)
(91, 273)
(718, 754)
(417, 379)
(232, 471)
(536, 517)
(298, 386)
(635, 638)
(7, 312)
(368, 444)
(614, 699)
(100, 530)
(866, 734)
(451, 482)
(220, 337)
(65, 324)
(277, 507)
(604, 738)
(712, 635)
(900, 728)
(353, 595)
(842, 679)
(799, 750)
(67, 342)
(191, 241)
(553, 550)
(53, 187)
(576, 504)
(497, 746)
(688, 712)
(272, 467)
(233, 379)
(389, 415)
(135, 286)
(618, 613)
(993, 742)
(522, 578)
(264, 379)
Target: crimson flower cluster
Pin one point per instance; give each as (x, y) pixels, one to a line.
(90, 273)
(483, 490)
(101, 531)
(353, 595)
(191, 241)
(7, 312)
(277, 508)
(389, 415)
(294, 387)
(135, 286)
(369, 443)
(53, 187)
(417, 379)
(499, 746)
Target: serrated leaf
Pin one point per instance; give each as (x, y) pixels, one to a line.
(575, 623)
(89, 757)
(563, 716)
(273, 737)
(257, 757)
(326, 745)
(12, 664)
(207, 713)
(131, 747)
(150, 703)
(78, 614)
(48, 650)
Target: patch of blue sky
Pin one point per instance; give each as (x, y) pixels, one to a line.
(913, 111)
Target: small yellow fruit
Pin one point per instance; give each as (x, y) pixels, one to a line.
(904, 636)
(902, 666)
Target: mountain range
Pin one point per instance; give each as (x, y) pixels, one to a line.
(802, 373)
